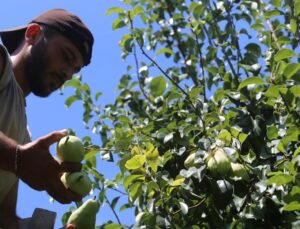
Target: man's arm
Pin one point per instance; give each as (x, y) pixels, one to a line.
(8, 152)
(8, 214)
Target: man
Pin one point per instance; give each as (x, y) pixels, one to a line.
(37, 58)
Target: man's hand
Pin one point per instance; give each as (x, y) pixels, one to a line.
(39, 169)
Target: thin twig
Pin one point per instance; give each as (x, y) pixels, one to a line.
(113, 210)
(236, 77)
(201, 59)
(137, 66)
(123, 193)
(177, 37)
(194, 206)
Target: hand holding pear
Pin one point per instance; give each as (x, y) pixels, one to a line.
(71, 149)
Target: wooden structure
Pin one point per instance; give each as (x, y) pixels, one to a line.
(41, 219)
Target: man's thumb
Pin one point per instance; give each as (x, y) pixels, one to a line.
(54, 136)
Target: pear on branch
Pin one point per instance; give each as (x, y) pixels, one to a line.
(84, 217)
(218, 162)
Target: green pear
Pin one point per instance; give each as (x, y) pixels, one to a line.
(84, 217)
(78, 182)
(218, 162)
(70, 149)
(240, 171)
(190, 161)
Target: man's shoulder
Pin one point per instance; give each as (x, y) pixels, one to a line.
(2, 58)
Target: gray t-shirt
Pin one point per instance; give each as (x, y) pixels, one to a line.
(13, 122)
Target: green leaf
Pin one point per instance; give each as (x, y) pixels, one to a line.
(250, 157)
(273, 91)
(135, 190)
(280, 179)
(137, 10)
(293, 25)
(297, 151)
(118, 23)
(295, 90)
(219, 94)
(243, 137)
(164, 50)
(135, 162)
(225, 136)
(126, 43)
(291, 69)
(168, 137)
(248, 81)
(114, 10)
(272, 132)
(98, 94)
(114, 202)
(271, 13)
(254, 49)
(130, 180)
(157, 86)
(197, 9)
(293, 206)
(297, 8)
(276, 3)
(284, 53)
(71, 99)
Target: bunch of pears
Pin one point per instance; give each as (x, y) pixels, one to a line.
(219, 164)
(71, 149)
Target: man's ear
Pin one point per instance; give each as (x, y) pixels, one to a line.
(33, 33)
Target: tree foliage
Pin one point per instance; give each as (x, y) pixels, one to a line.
(202, 76)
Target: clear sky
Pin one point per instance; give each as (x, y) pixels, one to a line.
(48, 114)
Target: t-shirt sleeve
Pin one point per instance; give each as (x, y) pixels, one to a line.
(4, 67)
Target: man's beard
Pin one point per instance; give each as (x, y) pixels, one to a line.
(35, 68)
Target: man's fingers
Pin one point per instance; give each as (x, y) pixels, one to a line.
(70, 167)
(53, 137)
(60, 193)
(58, 197)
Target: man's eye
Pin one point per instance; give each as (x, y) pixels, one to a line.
(67, 58)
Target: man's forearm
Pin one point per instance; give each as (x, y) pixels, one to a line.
(7, 153)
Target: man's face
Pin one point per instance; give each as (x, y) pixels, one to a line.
(50, 63)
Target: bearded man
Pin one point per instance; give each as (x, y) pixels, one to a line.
(36, 58)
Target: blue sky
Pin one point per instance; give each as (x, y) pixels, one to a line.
(48, 114)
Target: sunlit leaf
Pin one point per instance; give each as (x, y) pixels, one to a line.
(114, 10)
(284, 54)
(252, 80)
(157, 86)
(164, 50)
(135, 162)
(291, 69)
(280, 179)
(293, 206)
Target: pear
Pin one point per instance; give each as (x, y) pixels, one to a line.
(84, 217)
(70, 149)
(78, 182)
(190, 161)
(218, 162)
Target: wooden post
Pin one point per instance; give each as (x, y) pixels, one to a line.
(41, 219)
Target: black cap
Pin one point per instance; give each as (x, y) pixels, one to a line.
(62, 21)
